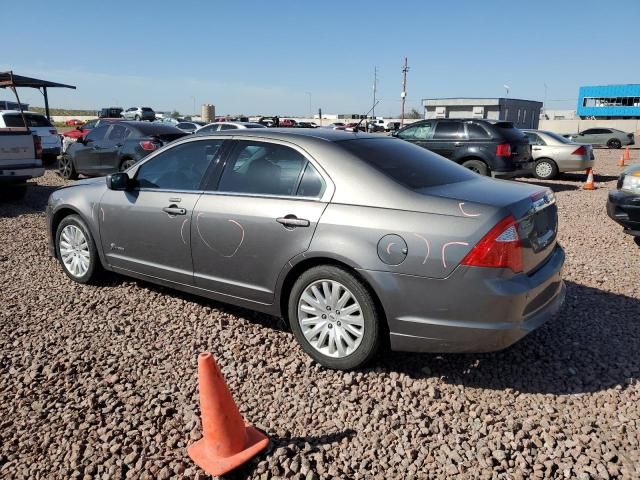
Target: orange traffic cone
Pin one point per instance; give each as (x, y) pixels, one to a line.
(627, 155)
(589, 184)
(227, 442)
(621, 161)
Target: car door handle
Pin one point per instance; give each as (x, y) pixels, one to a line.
(536, 148)
(175, 210)
(293, 221)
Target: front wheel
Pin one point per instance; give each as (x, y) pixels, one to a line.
(137, 118)
(76, 249)
(477, 166)
(545, 169)
(614, 143)
(334, 318)
(66, 168)
(126, 164)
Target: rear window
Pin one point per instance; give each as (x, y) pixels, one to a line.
(410, 165)
(509, 132)
(15, 120)
(557, 137)
(148, 128)
(146, 109)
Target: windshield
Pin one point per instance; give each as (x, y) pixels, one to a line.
(557, 137)
(509, 132)
(410, 165)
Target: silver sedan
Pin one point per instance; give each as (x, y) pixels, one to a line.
(355, 240)
(554, 153)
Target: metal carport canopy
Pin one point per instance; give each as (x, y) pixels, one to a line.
(12, 81)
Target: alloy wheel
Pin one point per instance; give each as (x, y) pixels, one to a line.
(74, 250)
(330, 318)
(65, 167)
(544, 170)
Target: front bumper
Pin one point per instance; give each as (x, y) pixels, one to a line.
(473, 310)
(624, 208)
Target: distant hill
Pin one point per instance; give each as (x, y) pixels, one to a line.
(65, 112)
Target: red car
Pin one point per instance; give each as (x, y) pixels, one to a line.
(287, 123)
(73, 122)
(79, 132)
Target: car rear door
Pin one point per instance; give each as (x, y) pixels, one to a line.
(108, 157)
(86, 156)
(146, 230)
(261, 214)
(448, 136)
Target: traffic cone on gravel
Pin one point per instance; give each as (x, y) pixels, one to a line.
(227, 442)
(627, 155)
(589, 184)
(621, 161)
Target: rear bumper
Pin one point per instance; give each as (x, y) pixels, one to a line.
(51, 151)
(17, 175)
(624, 208)
(473, 310)
(517, 170)
(575, 165)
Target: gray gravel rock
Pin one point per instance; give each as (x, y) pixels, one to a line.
(100, 381)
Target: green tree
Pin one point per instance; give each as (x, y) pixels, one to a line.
(414, 114)
(175, 114)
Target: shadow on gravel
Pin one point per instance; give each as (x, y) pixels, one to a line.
(556, 187)
(590, 345)
(34, 201)
(316, 443)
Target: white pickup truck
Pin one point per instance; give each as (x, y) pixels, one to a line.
(20, 160)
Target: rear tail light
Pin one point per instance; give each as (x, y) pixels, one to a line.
(500, 248)
(503, 150)
(37, 146)
(581, 150)
(148, 145)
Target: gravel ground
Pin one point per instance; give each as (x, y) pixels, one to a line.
(100, 382)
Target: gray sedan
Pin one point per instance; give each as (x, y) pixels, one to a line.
(603, 137)
(354, 239)
(554, 153)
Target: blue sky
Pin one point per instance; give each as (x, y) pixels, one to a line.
(263, 56)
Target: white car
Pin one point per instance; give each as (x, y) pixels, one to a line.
(40, 125)
(219, 126)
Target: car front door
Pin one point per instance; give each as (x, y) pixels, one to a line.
(108, 157)
(447, 138)
(86, 157)
(588, 136)
(146, 229)
(262, 213)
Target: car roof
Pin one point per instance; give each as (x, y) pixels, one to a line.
(295, 134)
(18, 112)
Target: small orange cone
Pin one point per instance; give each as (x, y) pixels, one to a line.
(621, 161)
(627, 155)
(589, 184)
(227, 442)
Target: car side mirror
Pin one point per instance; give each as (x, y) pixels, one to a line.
(394, 133)
(118, 181)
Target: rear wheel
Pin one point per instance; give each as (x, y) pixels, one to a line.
(76, 249)
(614, 143)
(137, 118)
(477, 166)
(545, 169)
(334, 318)
(66, 168)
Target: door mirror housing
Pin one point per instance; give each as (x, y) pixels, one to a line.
(394, 133)
(118, 181)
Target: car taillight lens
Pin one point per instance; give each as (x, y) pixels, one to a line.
(148, 145)
(581, 150)
(500, 248)
(37, 146)
(503, 150)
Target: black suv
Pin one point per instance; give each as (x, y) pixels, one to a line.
(111, 112)
(488, 147)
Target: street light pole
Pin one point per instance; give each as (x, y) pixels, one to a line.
(310, 109)
(405, 69)
(375, 88)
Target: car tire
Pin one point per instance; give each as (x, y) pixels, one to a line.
(545, 169)
(76, 250)
(637, 240)
(66, 168)
(126, 164)
(137, 118)
(13, 192)
(614, 143)
(361, 326)
(477, 166)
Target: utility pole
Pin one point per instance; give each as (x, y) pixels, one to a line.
(375, 88)
(403, 95)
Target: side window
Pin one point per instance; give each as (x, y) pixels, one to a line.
(209, 129)
(180, 168)
(311, 184)
(534, 139)
(90, 125)
(97, 133)
(262, 168)
(448, 131)
(117, 133)
(417, 132)
(476, 132)
(226, 126)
